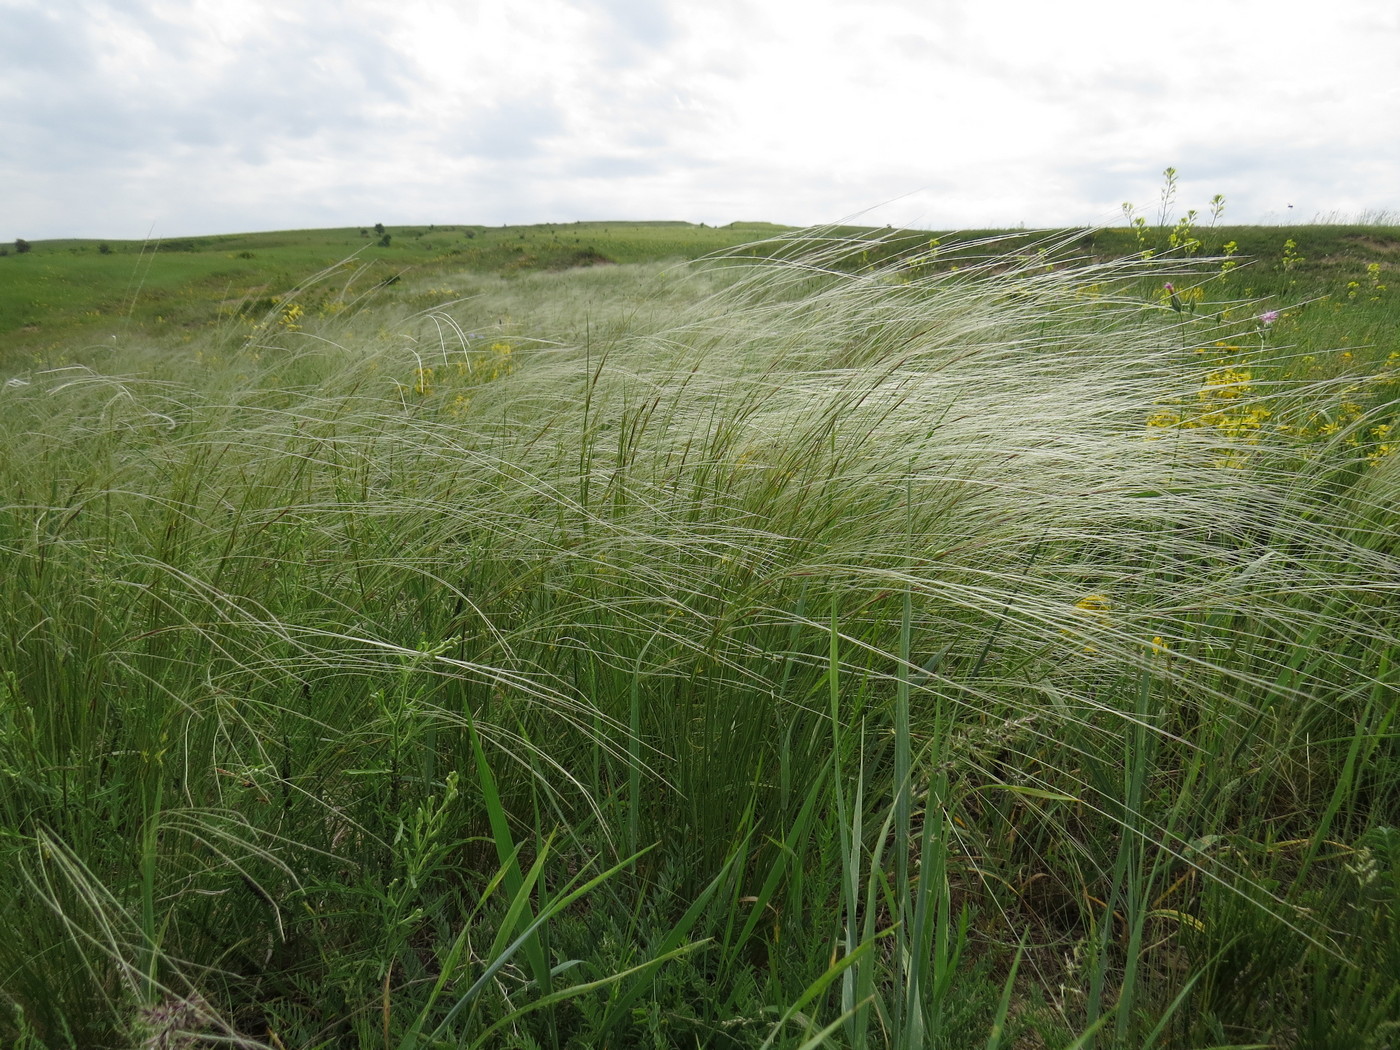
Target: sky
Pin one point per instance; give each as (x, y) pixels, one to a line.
(164, 118)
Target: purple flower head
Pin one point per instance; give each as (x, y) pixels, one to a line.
(1268, 317)
(1169, 287)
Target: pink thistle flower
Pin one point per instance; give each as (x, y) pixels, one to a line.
(1268, 317)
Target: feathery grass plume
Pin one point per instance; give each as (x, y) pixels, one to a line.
(857, 586)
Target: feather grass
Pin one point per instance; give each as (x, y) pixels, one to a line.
(770, 538)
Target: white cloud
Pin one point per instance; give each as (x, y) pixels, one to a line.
(204, 116)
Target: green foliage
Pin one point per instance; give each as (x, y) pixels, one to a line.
(853, 641)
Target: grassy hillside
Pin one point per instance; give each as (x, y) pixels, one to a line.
(67, 291)
(851, 641)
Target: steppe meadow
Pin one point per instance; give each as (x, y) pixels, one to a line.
(658, 635)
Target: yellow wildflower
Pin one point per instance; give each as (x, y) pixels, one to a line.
(1095, 604)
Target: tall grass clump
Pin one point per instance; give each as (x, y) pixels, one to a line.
(794, 652)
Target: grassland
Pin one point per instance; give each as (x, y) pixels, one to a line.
(65, 293)
(70, 291)
(850, 640)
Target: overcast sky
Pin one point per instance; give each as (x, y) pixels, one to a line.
(183, 117)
